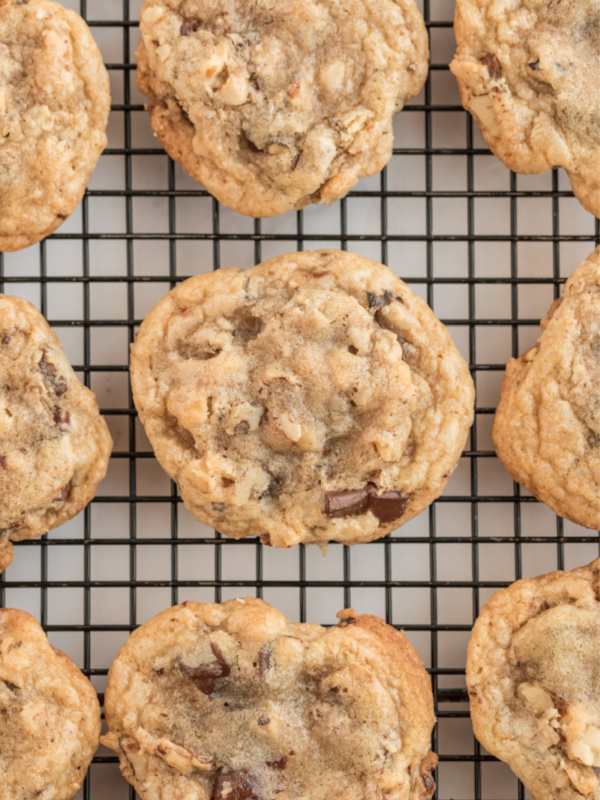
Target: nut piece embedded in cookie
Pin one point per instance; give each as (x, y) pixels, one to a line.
(273, 106)
(290, 710)
(528, 72)
(533, 673)
(336, 410)
(49, 711)
(54, 445)
(54, 106)
(547, 426)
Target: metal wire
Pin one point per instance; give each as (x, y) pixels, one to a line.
(423, 562)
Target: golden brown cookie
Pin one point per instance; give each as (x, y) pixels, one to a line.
(235, 702)
(49, 712)
(533, 674)
(54, 445)
(313, 397)
(528, 71)
(547, 425)
(54, 105)
(276, 104)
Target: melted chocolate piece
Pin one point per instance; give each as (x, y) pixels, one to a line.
(386, 506)
(345, 622)
(3, 461)
(379, 301)
(493, 66)
(279, 764)
(263, 660)
(264, 720)
(235, 786)
(429, 784)
(61, 417)
(207, 676)
(64, 494)
(57, 382)
(189, 26)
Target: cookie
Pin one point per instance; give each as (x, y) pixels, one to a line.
(50, 715)
(233, 701)
(280, 103)
(528, 72)
(533, 674)
(54, 445)
(547, 425)
(313, 397)
(54, 105)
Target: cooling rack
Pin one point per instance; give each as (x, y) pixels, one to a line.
(486, 248)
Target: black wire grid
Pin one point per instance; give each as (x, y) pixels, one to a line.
(488, 260)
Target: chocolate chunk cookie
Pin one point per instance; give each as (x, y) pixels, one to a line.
(547, 426)
(310, 398)
(49, 713)
(54, 104)
(235, 702)
(54, 445)
(276, 104)
(533, 674)
(528, 72)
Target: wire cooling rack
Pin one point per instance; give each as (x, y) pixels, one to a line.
(486, 248)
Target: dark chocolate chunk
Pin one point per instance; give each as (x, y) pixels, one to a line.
(429, 784)
(493, 66)
(387, 506)
(235, 786)
(279, 764)
(207, 676)
(345, 622)
(10, 686)
(264, 720)
(61, 216)
(263, 660)
(3, 461)
(257, 83)
(295, 161)
(273, 489)
(347, 503)
(246, 326)
(159, 671)
(64, 494)
(379, 301)
(48, 370)
(189, 26)
(534, 65)
(242, 427)
(6, 338)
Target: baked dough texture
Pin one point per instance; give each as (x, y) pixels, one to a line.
(528, 71)
(54, 445)
(50, 715)
(533, 674)
(54, 105)
(313, 397)
(235, 702)
(547, 425)
(275, 104)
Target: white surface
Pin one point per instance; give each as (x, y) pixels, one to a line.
(409, 561)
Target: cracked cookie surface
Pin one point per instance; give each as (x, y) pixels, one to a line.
(49, 711)
(54, 105)
(235, 702)
(54, 445)
(528, 72)
(547, 425)
(533, 675)
(276, 104)
(313, 397)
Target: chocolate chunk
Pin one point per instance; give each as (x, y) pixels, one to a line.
(189, 26)
(61, 216)
(535, 65)
(235, 786)
(263, 661)
(159, 671)
(242, 427)
(6, 338)
(295, 161)
(246, 326)
(493, 66)
(379, 301)
(279, 764)
(345, 622)
(264, 720)
(61, 417)
(257, 82)
(560, 703)
(429, 784)
(64, 494)
(10, 686)
(3, 461)
(387, 506)
(273, 489)
(207, 676)
(48, 370)
(348, 503)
